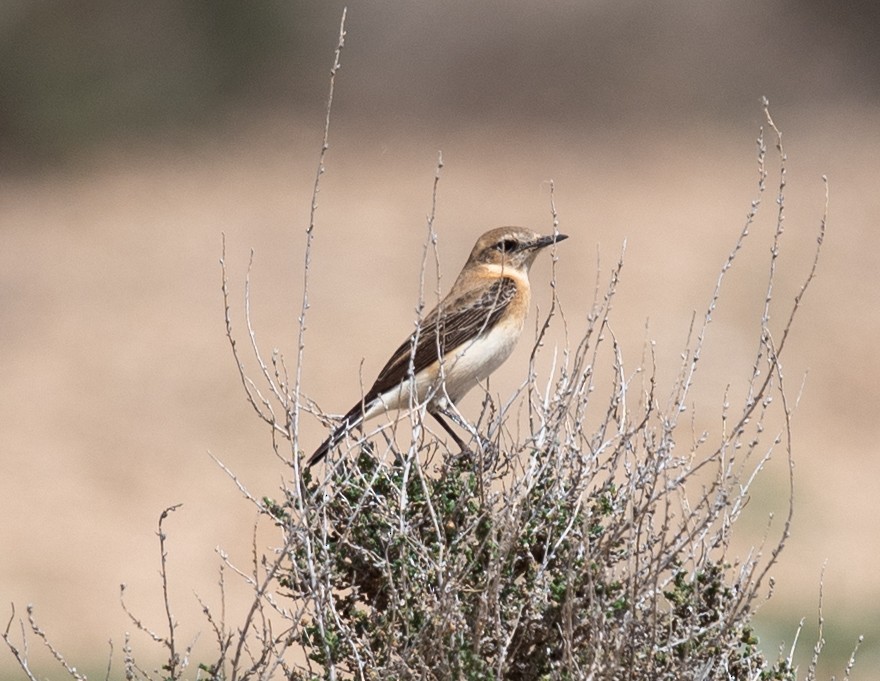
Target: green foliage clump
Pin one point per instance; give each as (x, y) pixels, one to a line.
(462, 574)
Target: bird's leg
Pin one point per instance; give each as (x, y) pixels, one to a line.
(449, 430)
(451, 413)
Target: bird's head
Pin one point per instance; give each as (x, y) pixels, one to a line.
(511, 247)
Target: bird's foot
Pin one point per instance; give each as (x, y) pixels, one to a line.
(481, 455)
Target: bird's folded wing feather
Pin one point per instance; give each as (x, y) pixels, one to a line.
(447, 327)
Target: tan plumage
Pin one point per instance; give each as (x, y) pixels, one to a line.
(461, 341)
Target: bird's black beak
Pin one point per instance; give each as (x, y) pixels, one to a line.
(545, 241)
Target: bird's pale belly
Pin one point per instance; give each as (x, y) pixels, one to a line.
(464, 369)
(474, 361)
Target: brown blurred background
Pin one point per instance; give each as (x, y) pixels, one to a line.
(133, 134)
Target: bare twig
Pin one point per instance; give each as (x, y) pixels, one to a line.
(174, 662)
(21, 656)
(310, 235)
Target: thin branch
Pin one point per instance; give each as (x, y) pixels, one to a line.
(310, 235)
(52, 649)
(21, 656)
(174, 662)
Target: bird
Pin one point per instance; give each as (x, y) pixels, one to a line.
(470, 333)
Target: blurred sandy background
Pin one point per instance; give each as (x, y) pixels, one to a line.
(133, 134)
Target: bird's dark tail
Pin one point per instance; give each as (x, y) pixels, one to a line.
(353, 418)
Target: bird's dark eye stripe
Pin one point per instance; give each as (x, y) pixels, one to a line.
(507, 245)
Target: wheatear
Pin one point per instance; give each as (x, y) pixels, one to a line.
(461, 341)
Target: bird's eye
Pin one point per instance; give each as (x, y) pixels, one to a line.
(507, 245)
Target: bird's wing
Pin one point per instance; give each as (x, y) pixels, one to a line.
(447, 327)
